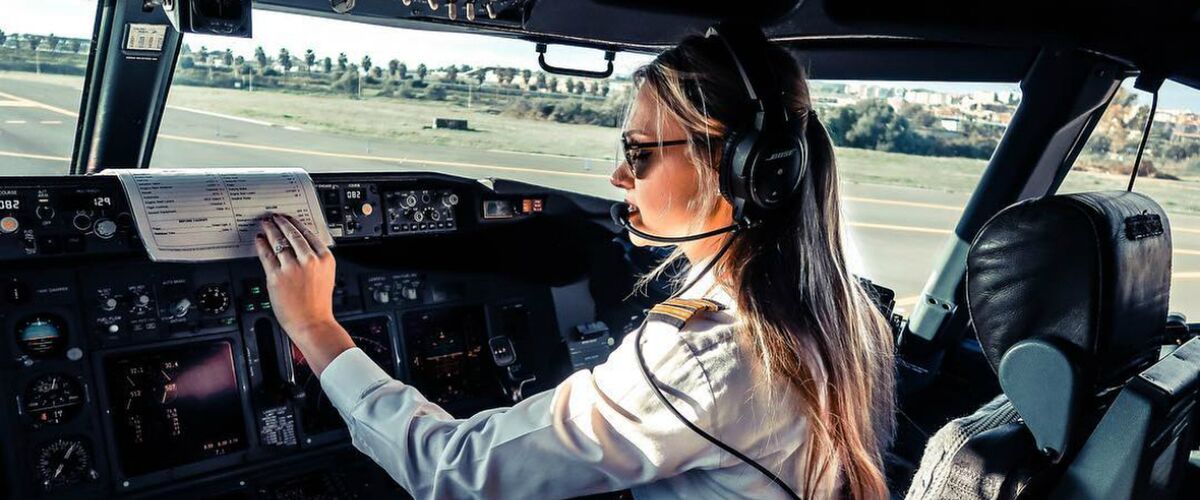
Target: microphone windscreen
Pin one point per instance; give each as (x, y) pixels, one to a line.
(620, 214)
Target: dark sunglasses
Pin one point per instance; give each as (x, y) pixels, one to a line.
(637, 154)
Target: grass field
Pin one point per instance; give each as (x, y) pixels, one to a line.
(407, 121)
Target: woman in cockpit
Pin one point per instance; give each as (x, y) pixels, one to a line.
(772, 371)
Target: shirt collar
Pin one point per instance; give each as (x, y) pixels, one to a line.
(706, 286)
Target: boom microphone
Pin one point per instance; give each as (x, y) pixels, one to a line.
(620, 217)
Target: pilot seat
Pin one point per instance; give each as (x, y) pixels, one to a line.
(1068, 296)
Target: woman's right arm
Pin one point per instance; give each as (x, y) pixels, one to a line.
(598, 431)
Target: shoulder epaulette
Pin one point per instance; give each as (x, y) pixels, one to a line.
(676, 312)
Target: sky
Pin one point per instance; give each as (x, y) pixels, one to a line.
(328, 37)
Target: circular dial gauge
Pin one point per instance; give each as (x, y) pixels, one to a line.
(214, 299)
(41, 336)
(53, 399)
(63, 462)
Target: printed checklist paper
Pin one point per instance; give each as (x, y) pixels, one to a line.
(194, 215)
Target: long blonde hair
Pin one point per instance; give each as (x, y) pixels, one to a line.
(808, 319)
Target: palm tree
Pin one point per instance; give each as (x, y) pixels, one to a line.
(402, 71)
(342, 61)
(227, 58)
(422, 71)
(260, 57)
(366, 64)
(310, 58)
(393, 66)
(285, 61)
(327, 65)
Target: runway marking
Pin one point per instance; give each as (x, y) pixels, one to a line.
(15, 104)
(33, 156)
(549, 155)
(1191, 275)
(892, 227)
(222, 115)
(15, 122)
(51, 122)
(917, 204)
(386, 159)
(42, 105)
(1185, 251)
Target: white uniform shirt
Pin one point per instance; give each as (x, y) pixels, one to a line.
(599, 430)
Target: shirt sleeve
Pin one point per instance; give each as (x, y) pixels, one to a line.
(599, 430)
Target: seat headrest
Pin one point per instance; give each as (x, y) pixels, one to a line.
(1093, 269)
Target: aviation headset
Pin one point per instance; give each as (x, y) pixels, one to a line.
(763, 161)
(762, 164)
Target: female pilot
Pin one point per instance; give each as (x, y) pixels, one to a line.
(792, 369)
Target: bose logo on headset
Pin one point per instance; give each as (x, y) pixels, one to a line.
(781, 154)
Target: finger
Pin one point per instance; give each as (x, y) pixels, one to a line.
(318, 246)
(276, 238)
(304, 251)
(265, 255)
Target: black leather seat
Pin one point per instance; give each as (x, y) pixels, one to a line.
(1068, 296)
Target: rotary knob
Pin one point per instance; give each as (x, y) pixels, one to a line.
(381, 296)
(44, 212)
(214, 299)
(82, 222)
(106, 228)
(450, 200)
(418, 216)
(410, 201)
(108, 304)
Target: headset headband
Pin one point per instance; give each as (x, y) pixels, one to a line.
(745, 44)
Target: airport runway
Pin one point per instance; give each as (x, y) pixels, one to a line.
(899, 232)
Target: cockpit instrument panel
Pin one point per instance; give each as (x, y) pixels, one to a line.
(132, 378)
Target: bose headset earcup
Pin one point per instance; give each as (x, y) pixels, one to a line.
(772, 180)
(762, 164)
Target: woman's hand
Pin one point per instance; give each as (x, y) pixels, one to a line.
(300, 276)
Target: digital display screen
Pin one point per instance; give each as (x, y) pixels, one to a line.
(448, 360)
(372, 335)
(174, 406)
(497, 209)
(10, 203)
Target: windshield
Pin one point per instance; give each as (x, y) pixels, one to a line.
(371, 98)
(43, 57)
(363, 97)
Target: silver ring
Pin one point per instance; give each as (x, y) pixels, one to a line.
(281, 247)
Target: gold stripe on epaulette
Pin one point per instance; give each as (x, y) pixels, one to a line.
(676, 312)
